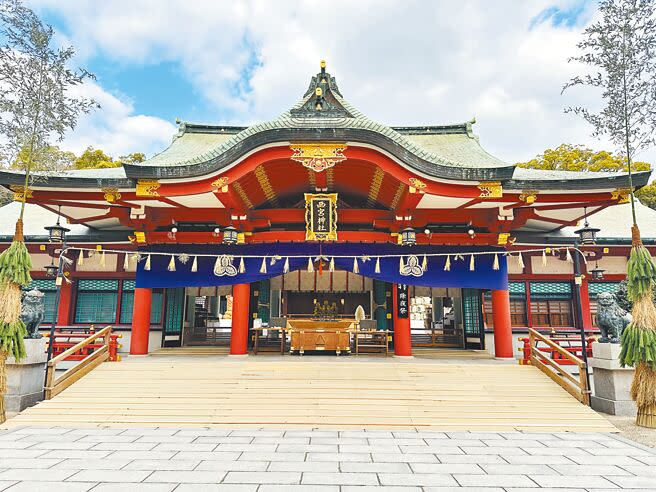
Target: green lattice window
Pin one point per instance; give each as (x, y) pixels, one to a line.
(550, 290)
(517, 288)
(96, 301)
(596, 288)
(49, 289)
(127, 305)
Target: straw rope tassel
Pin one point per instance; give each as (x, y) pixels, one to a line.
(217, 263)
(285, 267)
(544, 258)
(310, 267)
(102, 259)
(242, 266)
(356, 269)
(401, 264)
(568, 256)
(520, 261)
(171, 267)
(263, 267)
(447, 264)
(194, 264)
(147, 265)
(331, 267)
(377, 268)
(126, 262)
(424, 264)
(471, 263)
(80, 258)
(495, 265)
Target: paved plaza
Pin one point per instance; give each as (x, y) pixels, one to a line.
(166, 459)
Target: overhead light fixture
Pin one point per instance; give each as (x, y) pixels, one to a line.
(587, 234)
(597, 273)
(57, 233)
(408, 237)
(52, 269)
(230, 235)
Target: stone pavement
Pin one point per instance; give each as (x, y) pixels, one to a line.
(201, 460)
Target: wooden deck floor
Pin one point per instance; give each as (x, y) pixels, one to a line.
(318, 392)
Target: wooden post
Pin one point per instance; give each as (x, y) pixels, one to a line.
(141, 321)
(402, 339)
(240, 311)
(503, 347)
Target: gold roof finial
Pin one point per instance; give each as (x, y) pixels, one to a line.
(323, 64)
(318, 92)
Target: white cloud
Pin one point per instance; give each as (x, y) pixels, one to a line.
(115, 128)
(400, 62)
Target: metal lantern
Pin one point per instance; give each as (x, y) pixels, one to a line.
(408, 237)
(587, 234)
(230, 235)
(51, 270)
(57, 233)
(597, 273)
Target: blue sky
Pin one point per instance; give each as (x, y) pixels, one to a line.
(410, 62)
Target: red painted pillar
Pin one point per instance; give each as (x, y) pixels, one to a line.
(241, 294)
(585, 305)
(64, 309)
(503, 346)
(402, 340)
(140, 321)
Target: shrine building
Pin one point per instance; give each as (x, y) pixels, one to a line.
(323, 221)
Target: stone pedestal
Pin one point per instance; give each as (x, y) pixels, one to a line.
(612, 383)
(25, 378)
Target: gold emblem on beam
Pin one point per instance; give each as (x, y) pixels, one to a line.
(147, 187)
(111, 194)
(528, 196)
(490, 189)
(318, 156)
(621, 195)
(416, 185)
(140, 236)
(502, 240)
(220, 184)
(21, 193)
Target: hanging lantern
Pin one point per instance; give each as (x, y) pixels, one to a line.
(597, 273)
(230, 235)
(57, 233)
(52, 269)
(587, 234)
(408, 237)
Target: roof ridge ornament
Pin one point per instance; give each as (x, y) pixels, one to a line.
(320, 99)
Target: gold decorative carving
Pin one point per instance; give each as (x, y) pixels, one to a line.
(220, 184)
(140, 236)
(621, 195)
(148, 187)
(416, 185)
(111, 194)
(321, 216)
(265, 184)
(318, 156)
(21, 193)
(242, 194)
(502, 240)
(528, 196)
(397, 196)
(490, 189)
(376, 183)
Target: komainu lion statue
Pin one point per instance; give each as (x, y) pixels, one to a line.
(32, 312)
(611, 319)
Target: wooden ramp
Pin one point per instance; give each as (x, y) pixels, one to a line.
(318, 392)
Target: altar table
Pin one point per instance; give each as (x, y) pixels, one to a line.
(308, 334)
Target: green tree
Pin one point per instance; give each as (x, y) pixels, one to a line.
(618, 50)
(49, 158)
(133, 158)
(94, 159)
(36, 106)
(569, 157)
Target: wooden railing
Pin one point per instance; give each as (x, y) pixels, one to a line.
(578, 388)
(54, 386)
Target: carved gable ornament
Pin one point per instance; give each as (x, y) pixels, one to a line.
(318, 156)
